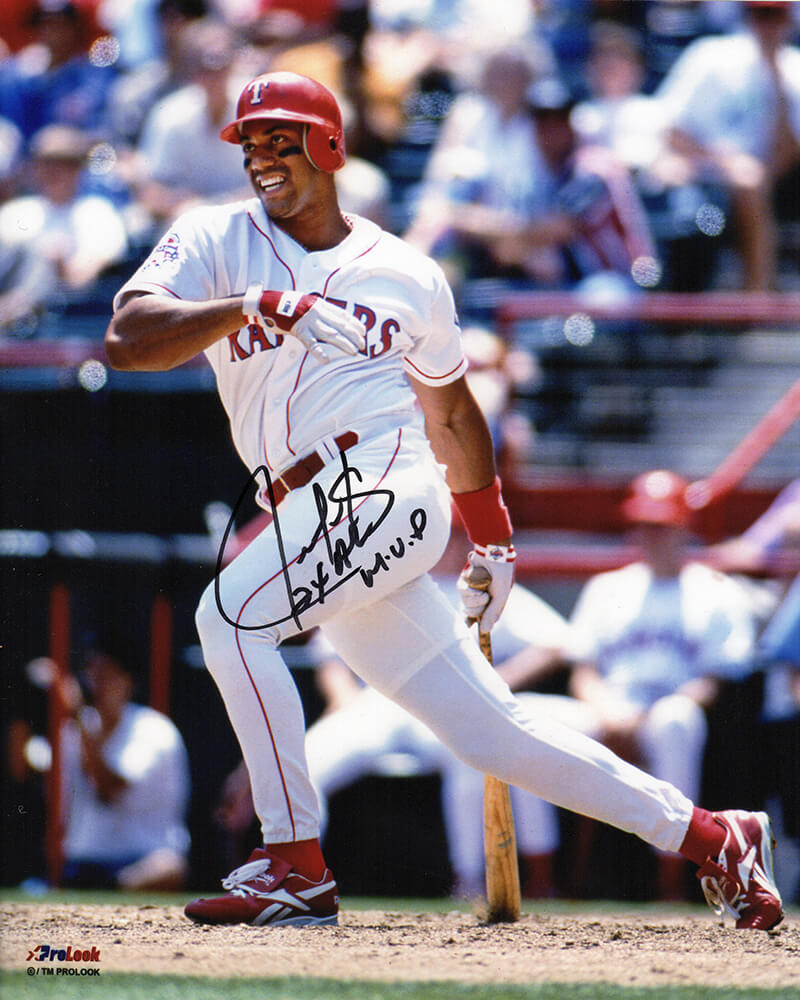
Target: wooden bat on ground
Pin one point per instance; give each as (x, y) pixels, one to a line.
(499, 839)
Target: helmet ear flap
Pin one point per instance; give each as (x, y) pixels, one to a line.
(324, 147)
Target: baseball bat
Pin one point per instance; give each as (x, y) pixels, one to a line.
(499, 838)
(752, 448)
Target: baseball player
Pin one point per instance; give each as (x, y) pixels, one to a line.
(322, 329)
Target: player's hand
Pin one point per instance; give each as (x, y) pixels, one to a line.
(324, 329)
(323, 326)
(485, 583)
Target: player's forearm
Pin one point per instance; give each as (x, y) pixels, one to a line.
(155, 333)
(461, 441)
(464, 445)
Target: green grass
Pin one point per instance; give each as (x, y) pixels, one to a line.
(111, 897)
(115, 986)
(90, 897)
(395, 904)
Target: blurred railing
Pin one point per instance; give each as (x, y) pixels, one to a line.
(715, 308)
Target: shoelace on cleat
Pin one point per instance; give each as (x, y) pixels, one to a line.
(236, 882)
(718, 901)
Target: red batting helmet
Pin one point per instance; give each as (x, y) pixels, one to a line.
(658, 497)
(291, 97)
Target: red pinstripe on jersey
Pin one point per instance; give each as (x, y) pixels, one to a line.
(436, 377)
(305, 357)
(289, 401)
(357, 257)
(274, 250)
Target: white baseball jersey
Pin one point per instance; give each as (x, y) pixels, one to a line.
(648, 636)
(280, 401)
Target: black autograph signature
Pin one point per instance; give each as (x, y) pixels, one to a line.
(336, 507)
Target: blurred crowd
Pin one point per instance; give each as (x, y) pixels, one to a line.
(593, 144)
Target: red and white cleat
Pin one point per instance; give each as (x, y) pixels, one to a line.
(266, 891)
(741, 882)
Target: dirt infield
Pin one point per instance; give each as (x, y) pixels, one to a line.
(644, 949)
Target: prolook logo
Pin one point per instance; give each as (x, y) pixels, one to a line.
(46, 955)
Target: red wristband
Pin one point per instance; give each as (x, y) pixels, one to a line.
(285, 308)
(276, 309)
(484, 514)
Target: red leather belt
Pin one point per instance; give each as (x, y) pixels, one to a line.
(303, 471)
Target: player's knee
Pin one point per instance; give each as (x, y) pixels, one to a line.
(217, 629)
(212, 628)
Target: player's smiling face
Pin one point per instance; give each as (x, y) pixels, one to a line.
(280, 172)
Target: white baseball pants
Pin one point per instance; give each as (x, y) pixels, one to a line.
(395, 629)
(345, 745)
(672, 738)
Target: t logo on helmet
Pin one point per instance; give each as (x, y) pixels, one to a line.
(255, 89)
